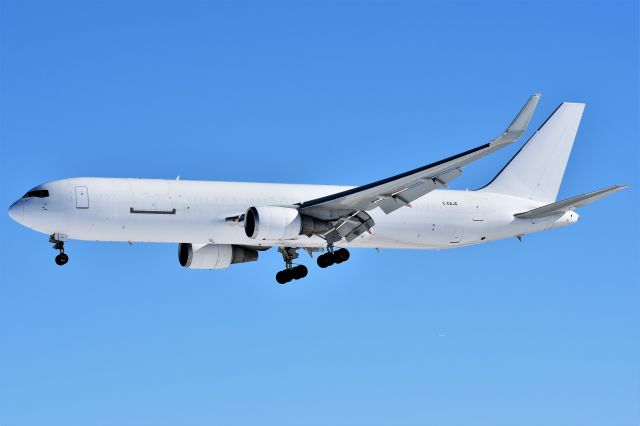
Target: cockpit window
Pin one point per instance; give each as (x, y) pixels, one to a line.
(40, 193)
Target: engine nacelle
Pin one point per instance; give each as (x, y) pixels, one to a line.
(213, 256)
(280, 223)
(272, 223)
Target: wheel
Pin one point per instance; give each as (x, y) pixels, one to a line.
(331, 259)
(342, 255)
(288, 274)
(284, 276)
(299, 271)
(325, 260)
(62, 259)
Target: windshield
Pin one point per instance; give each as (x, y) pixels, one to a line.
(40, 193)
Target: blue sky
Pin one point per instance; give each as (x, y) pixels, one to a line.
(539, 332)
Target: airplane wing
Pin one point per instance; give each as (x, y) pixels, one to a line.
(569, 204)
(346, 211)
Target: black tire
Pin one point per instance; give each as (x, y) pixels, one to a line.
(283, 277)
(331, 259)
(299, 272)
(325, 260)
(288, 273)
(342, 255)
(62, 259)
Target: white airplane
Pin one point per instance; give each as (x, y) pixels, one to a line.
(217, 224)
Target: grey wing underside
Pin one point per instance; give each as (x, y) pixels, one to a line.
(347, 210)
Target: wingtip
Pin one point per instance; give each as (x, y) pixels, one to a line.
(614, 188)
(521, 121)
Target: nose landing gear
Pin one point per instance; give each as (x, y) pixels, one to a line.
(61, 258)
(290, 272)
(332, 257)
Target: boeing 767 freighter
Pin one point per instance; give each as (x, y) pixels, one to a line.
(217, 224)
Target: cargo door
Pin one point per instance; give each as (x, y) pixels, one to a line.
(151, 197)
(456, 234)
(448, 221)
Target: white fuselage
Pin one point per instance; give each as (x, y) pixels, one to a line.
(177, 211)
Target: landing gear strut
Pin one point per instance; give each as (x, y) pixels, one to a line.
(290, 272)
(332, 257)
(61, 258)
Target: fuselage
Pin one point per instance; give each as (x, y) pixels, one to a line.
(182, 211)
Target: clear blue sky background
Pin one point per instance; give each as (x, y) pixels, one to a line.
(539, 332)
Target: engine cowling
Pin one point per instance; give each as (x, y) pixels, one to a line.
(213, 256)
(272, 223)
(280, 223)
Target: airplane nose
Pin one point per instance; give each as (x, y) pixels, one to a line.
(16, 211)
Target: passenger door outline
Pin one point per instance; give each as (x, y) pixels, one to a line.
(82, 197)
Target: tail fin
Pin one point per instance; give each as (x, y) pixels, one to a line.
(536, 171)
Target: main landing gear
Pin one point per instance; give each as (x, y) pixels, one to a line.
(297, 272)
(61, 258)
(290, 272)
(332, 257)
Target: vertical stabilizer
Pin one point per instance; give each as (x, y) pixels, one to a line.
(536, 171)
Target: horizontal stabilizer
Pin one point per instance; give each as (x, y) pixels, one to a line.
(569, 204)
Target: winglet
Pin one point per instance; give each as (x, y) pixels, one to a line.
(520, 123)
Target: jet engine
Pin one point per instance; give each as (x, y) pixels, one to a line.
(280, 223)
(213, 256)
